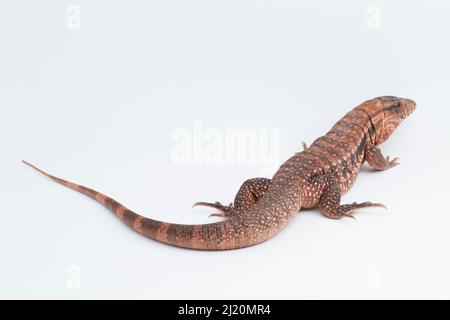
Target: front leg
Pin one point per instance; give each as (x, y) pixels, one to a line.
(377, 161)
(329, 203)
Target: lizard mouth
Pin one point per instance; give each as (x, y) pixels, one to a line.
(409, 107)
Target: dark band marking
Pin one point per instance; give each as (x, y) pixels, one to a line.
(111, 204)
(87, 191)
(150, 227)
(171, 233)
(129, 217)
(372, 131)
(330, 164)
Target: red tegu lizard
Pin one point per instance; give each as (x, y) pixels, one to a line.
(316, 177)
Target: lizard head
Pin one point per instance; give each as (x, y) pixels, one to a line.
(394, 110)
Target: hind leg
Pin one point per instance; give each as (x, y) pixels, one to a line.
(330, 201)
(249, 193)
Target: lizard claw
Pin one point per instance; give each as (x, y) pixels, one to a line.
(391, 163)
(206, 204)
(305, 146)
(216, 205)
(369, 204)
(380, 205)
(220, 215)
(350, 215)
(356, 206)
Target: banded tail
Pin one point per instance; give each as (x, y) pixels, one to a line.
(241, 231)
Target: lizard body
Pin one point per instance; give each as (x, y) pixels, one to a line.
(318, 176)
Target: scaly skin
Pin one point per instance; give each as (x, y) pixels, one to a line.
(316, 177)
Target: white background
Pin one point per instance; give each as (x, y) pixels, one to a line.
(99, 104)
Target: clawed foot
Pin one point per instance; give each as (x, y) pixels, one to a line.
(225, 210)
(356, 206)
(305, 146)
(391, 163)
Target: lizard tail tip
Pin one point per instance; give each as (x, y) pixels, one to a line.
(29, 164)
(36, 168)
